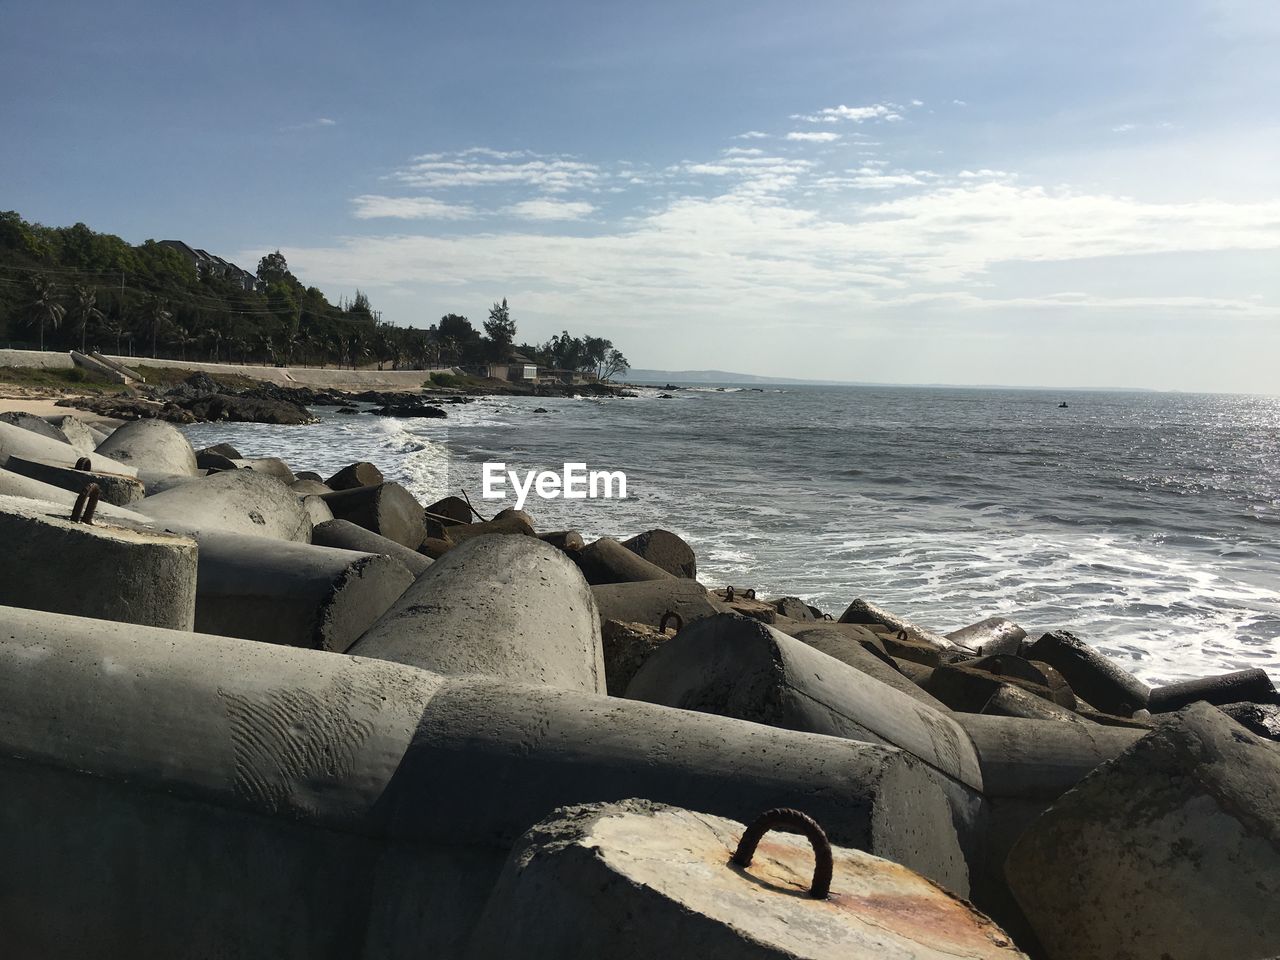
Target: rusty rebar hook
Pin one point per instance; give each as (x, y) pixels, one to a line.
(749, 593)
(86, 503)
(728, 594)
(670, 615)
(793, 821)
(84, 463)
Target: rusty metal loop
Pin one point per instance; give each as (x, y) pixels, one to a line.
(902, 635)
(749, 593)
(728, 594)
(670, 615)
(91, 504)
(84, 463)
(86, 503)
(827, 616)
(792, 821)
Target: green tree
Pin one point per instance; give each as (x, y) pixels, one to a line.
(155, 318)
(501, 330)
(86, 312)
(614, 364)
(43, 307)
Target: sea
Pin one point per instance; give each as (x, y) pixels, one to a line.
(1146, 523)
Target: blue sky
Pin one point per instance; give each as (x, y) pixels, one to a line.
(990, 192)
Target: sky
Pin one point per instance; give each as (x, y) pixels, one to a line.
(989, 192)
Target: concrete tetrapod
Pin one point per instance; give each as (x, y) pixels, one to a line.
(838, 644)
(993, 635)
(635, 880)
(607, 561)
(106, 571)
(387, 509)
(1092, 675)
(647, 601)
(16, 485)
(78, 433)
(17, 442)
(155, 448)
(1169, 852)
(664, 549)
(114, 488)
(245, 790)
(865, 612)
(1252, 685)
(238, 501)
(511, 607)
(345, 535)
(296, 594)
(38, 425)
(738, 667)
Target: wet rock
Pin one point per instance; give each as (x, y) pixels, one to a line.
(1262, 719)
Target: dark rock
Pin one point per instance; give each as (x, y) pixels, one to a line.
(1261, 718)
(419, 410)
(242, 408)
(1252, 686)
(1092, 675)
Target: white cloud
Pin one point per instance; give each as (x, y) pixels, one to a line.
(480, 166)
(315, 124)
(877, 111)
(373, 206)
(815, 137)
(752, 135)
(544, 209)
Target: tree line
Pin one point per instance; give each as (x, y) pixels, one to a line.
(73, 288)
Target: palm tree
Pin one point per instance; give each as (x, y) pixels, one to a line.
(182, 337)
(155, 315)
(114, 328)
(213, 337)
(86, 312)
(43, 308)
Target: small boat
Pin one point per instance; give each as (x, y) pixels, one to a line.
(1062, 405)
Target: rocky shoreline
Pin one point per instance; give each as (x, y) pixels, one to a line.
(203, 398)
(235, 687)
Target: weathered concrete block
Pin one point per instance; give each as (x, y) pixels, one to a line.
(1169, 852)
(638, 879)
(15, 485)
(77, 433)
(522, 751)
(738, 667)
(839, 645)
(94, 570)
(345, 535)
(38, 425)
(743, 602)
(607, 561)
(318, 511)
(793, 608)
(1262, 719)
(387, 509)
(17, 442)
(114, 488)
(446, 513)
(647, 601)
(626, 647)
(963, 687)
(153, 447)
(268, 466)
(296, 594)
(238, 501)
(261, 784)
(1093, 676)
(664, 549)
(568, 541)
(308, 488)
(1039, 759)
(1242, 686)
(1011, 701)
(991, 636)
(499, 526)
(361, 474)
(511, 607)
(865, 612)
